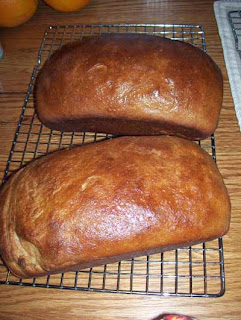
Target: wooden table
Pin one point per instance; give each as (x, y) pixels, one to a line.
(21, 45)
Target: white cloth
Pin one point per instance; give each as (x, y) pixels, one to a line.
(231, 56)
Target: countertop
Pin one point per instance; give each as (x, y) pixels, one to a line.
(21, 45)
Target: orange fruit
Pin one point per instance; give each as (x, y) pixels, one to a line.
(67, 5)
(15, 12)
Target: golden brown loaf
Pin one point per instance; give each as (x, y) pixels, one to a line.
(130, 84)
(110, 200)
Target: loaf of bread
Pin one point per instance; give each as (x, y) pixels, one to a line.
(107, 201)
(130, 84)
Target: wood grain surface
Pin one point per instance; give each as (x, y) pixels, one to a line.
(21, 45)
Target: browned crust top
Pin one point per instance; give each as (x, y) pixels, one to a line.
(109, 199)
(130, 77)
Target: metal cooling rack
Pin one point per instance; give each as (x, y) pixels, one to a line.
(194, 271)
(235, 22)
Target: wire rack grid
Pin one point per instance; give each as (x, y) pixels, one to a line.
(192, 271)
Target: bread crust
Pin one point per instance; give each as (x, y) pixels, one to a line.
(114, 199)
(130, 84)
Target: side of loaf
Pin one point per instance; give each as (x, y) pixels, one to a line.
(114, 199)
(130, 84)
